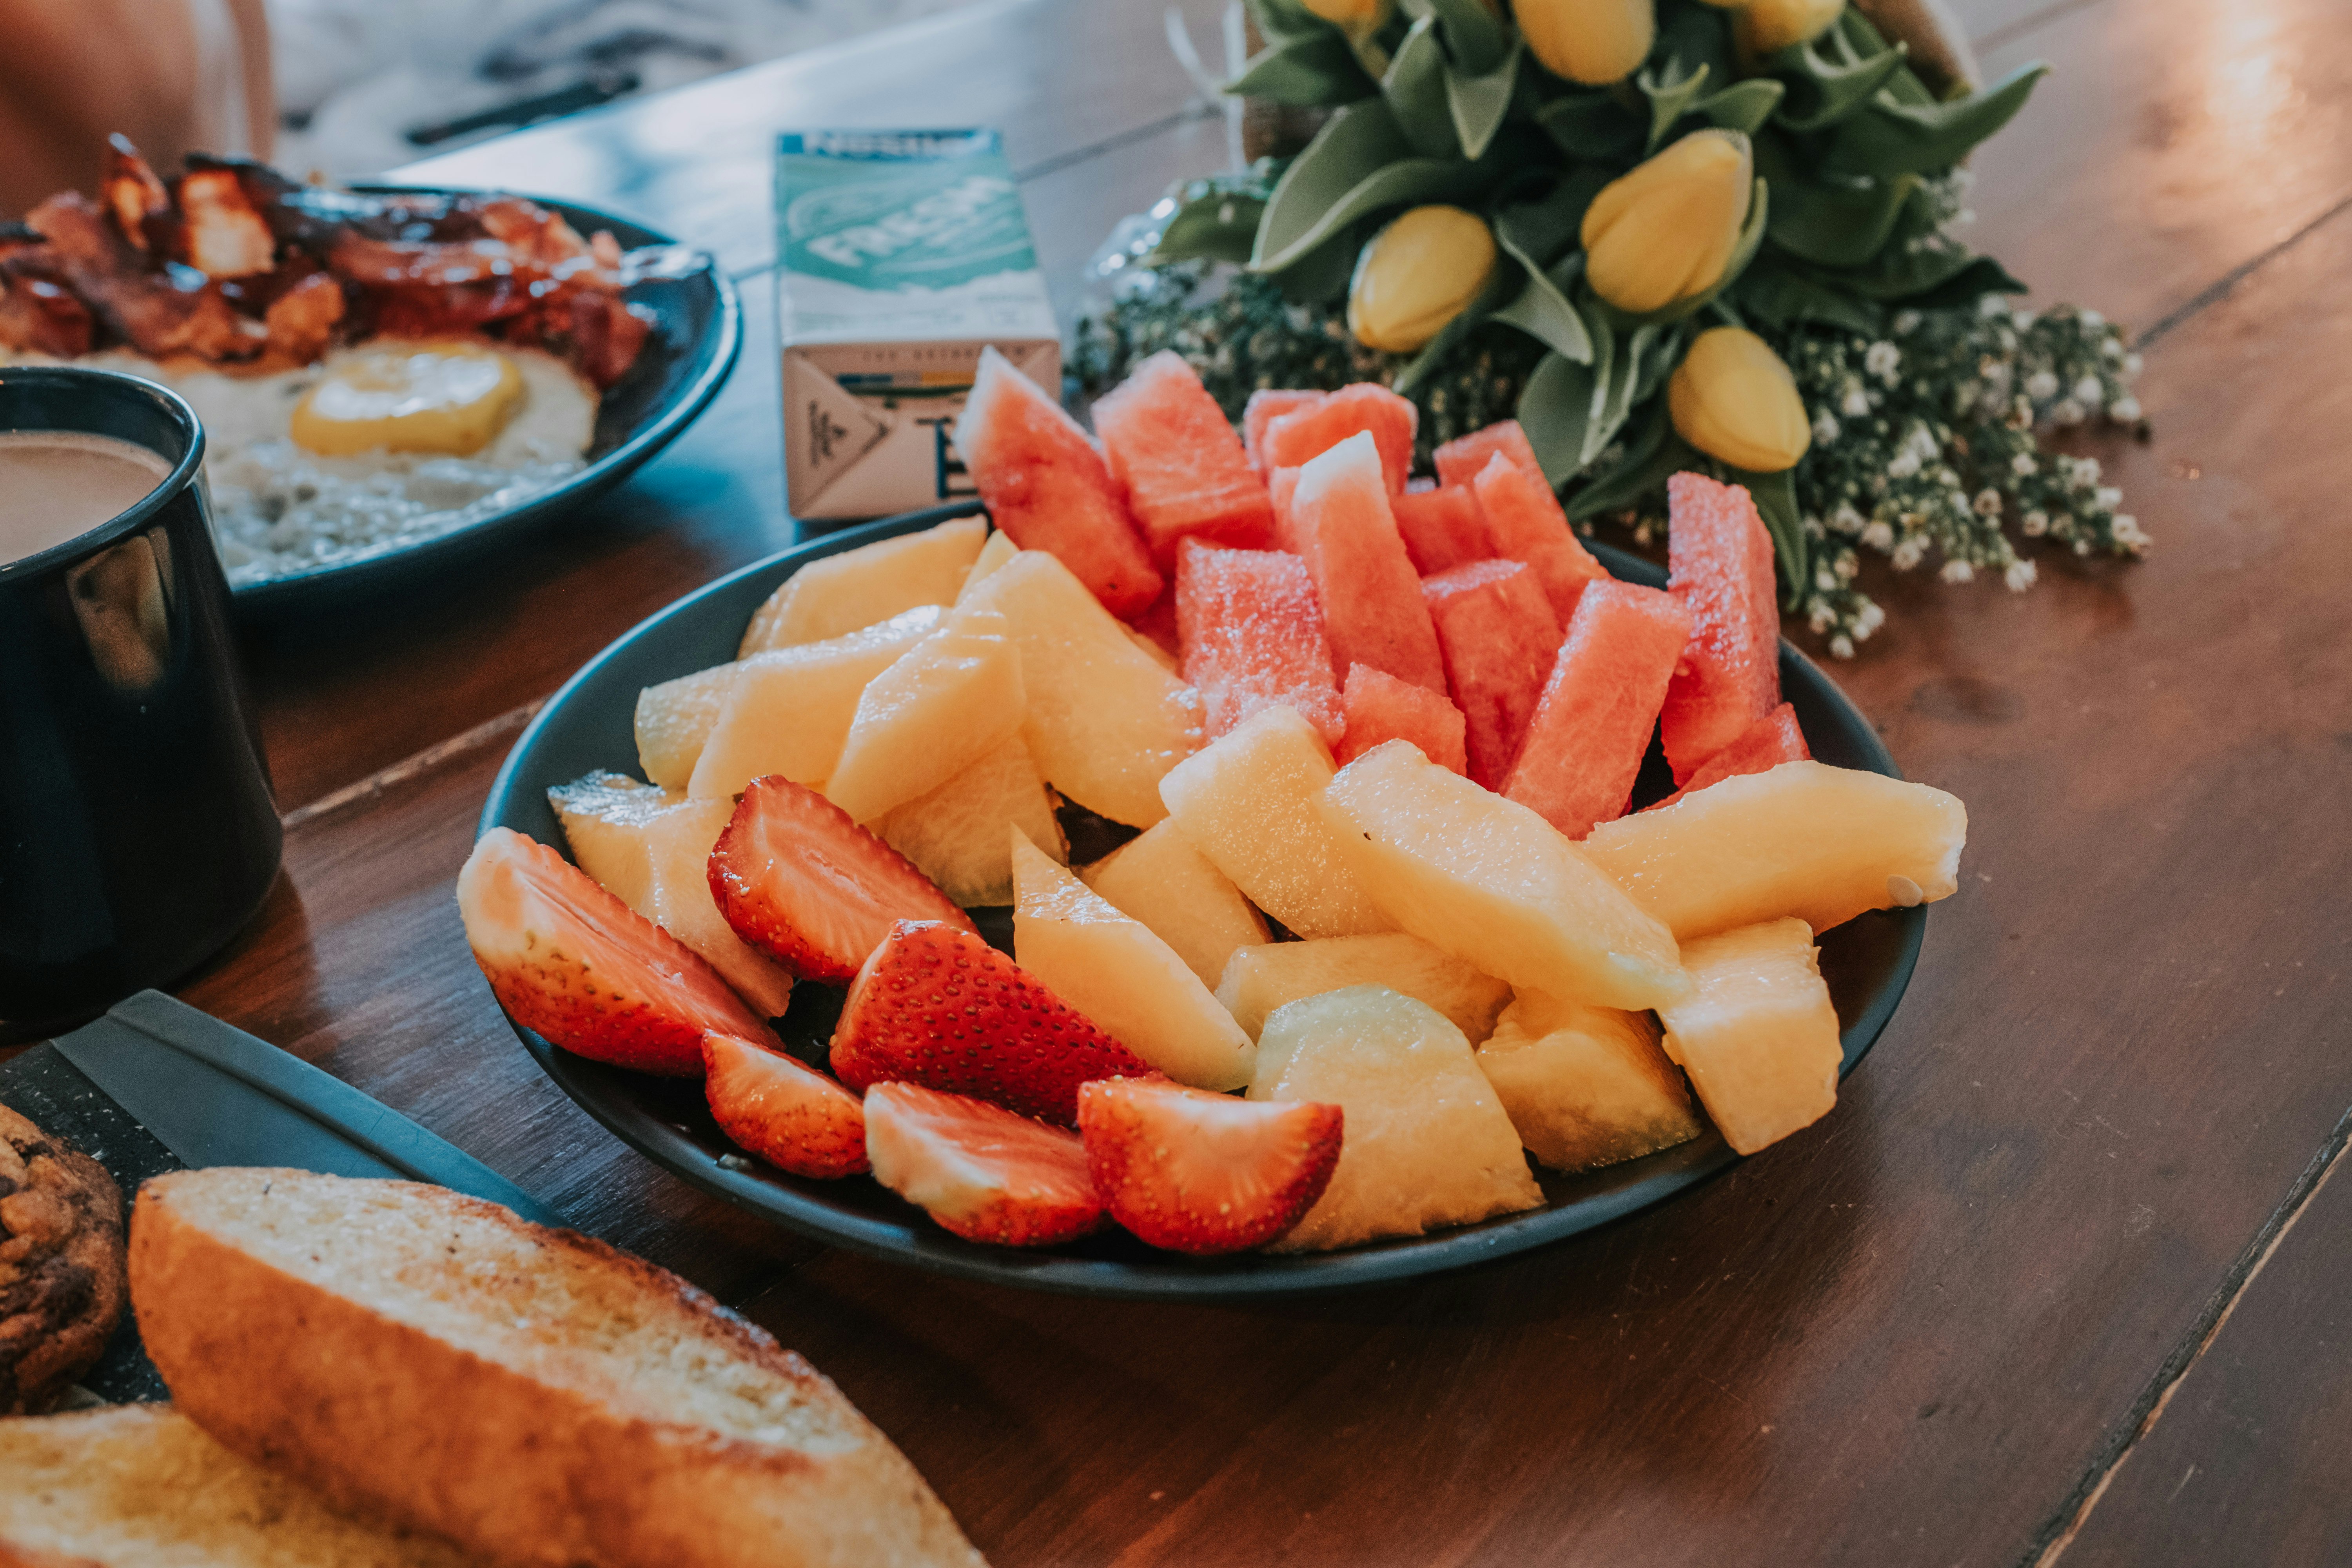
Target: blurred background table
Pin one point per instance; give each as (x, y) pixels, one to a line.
(2063, 1273)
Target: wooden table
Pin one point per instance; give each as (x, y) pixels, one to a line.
(2064, 1275)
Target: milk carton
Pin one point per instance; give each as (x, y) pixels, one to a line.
(901, 254)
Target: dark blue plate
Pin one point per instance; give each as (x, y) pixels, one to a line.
(590, 724)
(697, 331)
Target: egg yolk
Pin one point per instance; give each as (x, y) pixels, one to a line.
(452, 398)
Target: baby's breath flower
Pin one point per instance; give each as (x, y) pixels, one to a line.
(2022, 464)
(1841, 646)
(1878, 536)
(2034, 523)
(1825, 428)
(1907, 554)
(1988, 503)
(2090, 392)
(1958, 572)
(1855, 403)
(2042, 386)
(2126, 409)
(1883, 360)
(2020, 576)
(2067, 411)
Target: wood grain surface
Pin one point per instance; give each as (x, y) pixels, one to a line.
(1992, 1310)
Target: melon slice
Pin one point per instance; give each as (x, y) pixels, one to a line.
(1600, 707)
(789, 709)
(955, 834)
(675, 718)
(1180, 462)
(1253, 635)
(1806, 840)
(1585, 1085)
(1105, 721)
(1110, 967)
(1426, 1141)
(1259, 979)
(1442, 528)
(1758, 1033)
(1500, 640)
(1764, 745)
(1525, 521)
(1719, 563)
(1296, 438)
(854, 589)
(650, 849)
(1493, 884)
(1266, 405)
(1161, 879)
(1373, 608)
(1247, 802)
(1045, 484)
(946, 702)
(1460, 461)
(999, 550)
(1379, 708)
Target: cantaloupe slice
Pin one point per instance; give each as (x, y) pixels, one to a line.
(1110, 967)
(788, 710)
(1161, 879)
(943, 706)
(999, 550)
(1758, 1033)
(955, 833)
(854, 589)
(674, 719)
(1806, 840)
(1585, 1085)
(1493, 884)
(1425, 1141)
(1257, 980)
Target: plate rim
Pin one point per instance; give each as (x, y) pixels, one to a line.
(1655, 1178)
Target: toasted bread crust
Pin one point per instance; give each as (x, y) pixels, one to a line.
(518, 1465)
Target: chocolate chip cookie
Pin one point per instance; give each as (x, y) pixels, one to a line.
(62, 1284)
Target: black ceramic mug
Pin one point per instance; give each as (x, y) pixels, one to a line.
(137, 830)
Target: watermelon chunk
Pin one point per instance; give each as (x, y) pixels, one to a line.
(1719, 563)
(1380, 708)
(1157, 624)
(1181, 464)
(1253, 637)
(1576, 770)
(1461, 461)
(1373, 608)
(1442, 528)
(1298, 437)
(1764, 745)
(1265, 406)
(1499, 638)
(1525, 521)
(1048, 489)
(1279, 491)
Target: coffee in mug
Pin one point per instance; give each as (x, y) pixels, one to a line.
(57, 485)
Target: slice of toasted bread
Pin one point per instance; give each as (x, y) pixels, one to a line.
(530, 1394)
(140, 1486)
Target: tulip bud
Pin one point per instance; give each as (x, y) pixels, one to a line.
(1732, 398)
(1667, 231)
(1766, 27)
(1357, 18)
(1595, 42)
(1417, 274)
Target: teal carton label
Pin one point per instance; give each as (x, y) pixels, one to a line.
(892, 210)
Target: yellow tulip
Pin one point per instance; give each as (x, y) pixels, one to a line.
(1595, 42)
(1416, 275)
(1766, 27)
(1357, 18)
(1732, 398)
(1667, 231)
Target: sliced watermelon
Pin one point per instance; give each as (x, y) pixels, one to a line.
(1048, 488)
(1159, 623)
(1180, 463)
(1266, 405)
(1293, 439)
(1253, 637)
(1380, 708)
(1372, 609)
(1719, 563)
(1442, 528)
(1461, 461)
(1764, 745)
(1524, 519)
(1576, 770)
(1279, 491)
(1500, 637)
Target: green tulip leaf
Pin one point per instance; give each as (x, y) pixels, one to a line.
(1543, 231)
(1743, 107)
(1542, 311)
(1480, 104)
(1432, 356)
(1696, 37)
(1280, 20)
(1841, 224)
(1782, 299)
(1654, 453)
(1219, 226)
(1310, 72)
(1590, 125)
(1964, 286)
(1743, 251)
(1885, 140)
(1475, 36)
(1775, 502)
(1672, 92)
(1356, 145)
(1822, 91)
(1861, 40)
(1415, 90)
(1556, 409)
(1639, 354)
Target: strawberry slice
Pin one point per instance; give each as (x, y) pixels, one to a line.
(568, 960)
(1202, 1173)
(978, 1169)
(938, 1006)
(802, 883)
(786, 1112)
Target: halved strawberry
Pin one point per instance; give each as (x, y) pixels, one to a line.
(938, 1006)
(802, 883)
(786, 1112)
(1202, 1173)
(978, 1169)
(571, 962)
